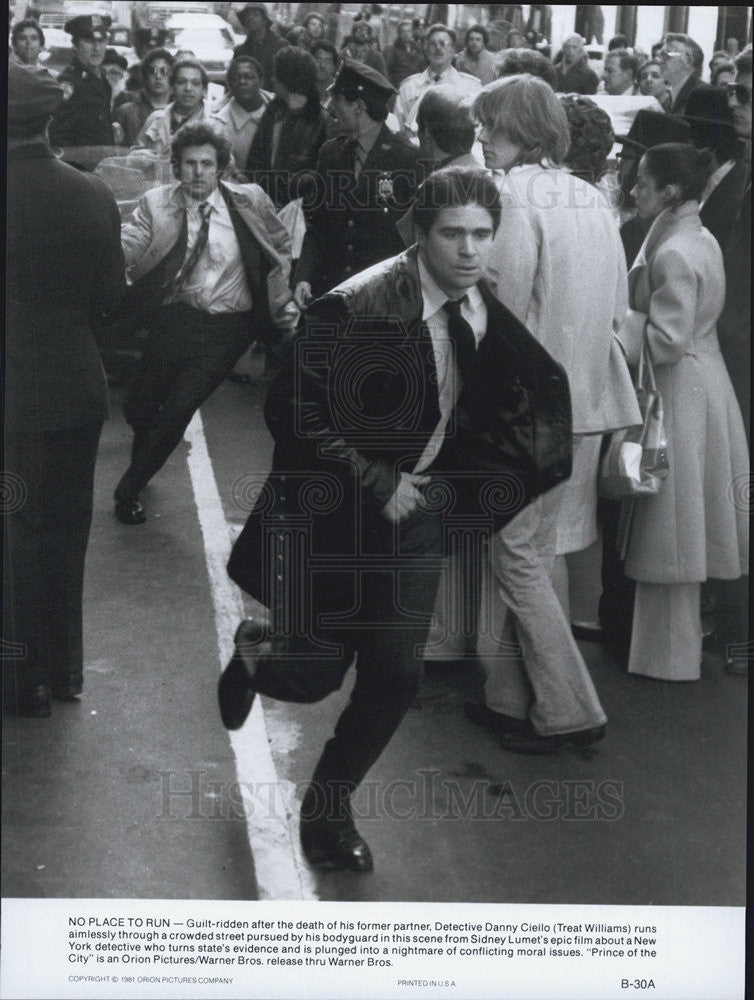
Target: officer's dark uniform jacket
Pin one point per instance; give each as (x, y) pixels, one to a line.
(356, 403)
(83, 118)
(350, 222)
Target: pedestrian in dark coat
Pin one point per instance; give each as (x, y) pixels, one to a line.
(573, 71)
(65, 273)
(404, 57)
(711, 123)
(378, 415)
(292, 128)
(261, 42)
(83, 117)
(366, 182)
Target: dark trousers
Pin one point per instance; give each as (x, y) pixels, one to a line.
(48, 513)
(387, 632)
(616, 605)
(187, 356)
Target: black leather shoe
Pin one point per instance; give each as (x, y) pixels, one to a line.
(130, 511)
(496, 722)
(533, 743)
(336, 845)
(234, 692)
(37, 704)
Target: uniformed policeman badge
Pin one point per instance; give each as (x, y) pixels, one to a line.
(385, 189)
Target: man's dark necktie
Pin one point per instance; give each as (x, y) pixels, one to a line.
(463, 340)
(353, 156)
(181, 279)
(464, 343)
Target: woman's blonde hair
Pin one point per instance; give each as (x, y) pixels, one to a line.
(526, 109)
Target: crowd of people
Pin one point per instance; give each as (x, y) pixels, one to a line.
(488, 274)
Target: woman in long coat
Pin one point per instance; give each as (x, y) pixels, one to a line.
(697, 526)
(557, 263)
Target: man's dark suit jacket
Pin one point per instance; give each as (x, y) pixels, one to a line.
(720, 210)
(356, 404)
(678, 107)
(65, 274)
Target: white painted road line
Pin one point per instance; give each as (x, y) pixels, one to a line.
(281, 872)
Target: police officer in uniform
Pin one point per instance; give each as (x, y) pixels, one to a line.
(83, 117)
(365, 181)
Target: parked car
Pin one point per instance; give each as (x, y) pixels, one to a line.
(208, 36)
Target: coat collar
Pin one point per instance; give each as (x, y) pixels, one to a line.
(669, 221)
(31, 151)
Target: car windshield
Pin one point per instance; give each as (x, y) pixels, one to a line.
(206, 38)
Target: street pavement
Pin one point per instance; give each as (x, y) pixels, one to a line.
(136, 790)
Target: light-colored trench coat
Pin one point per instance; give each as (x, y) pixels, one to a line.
(697, 527)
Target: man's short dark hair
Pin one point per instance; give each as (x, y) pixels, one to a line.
(696, 53)
(325, 46)
(517, 61)
(188, 64)
(199, 134)
(479, 29)
(296, 69)
(154, 55)
(238, 61)
(446, 115)
(629, 63)
(454, 187)
(743, 61)
(433, 29)
(28, 22)
(617, 42)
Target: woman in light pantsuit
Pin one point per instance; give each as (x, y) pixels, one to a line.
(558, 264)
(697, 526)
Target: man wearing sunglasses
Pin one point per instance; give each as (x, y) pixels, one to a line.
(154, 94)
(682, 61)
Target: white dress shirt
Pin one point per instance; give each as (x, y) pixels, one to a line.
(218, 282)
(414, 87)
(449, 383)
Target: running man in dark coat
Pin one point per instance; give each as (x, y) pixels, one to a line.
(65, 273)
(412, 403)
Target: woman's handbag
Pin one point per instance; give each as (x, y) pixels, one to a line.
(635, 462)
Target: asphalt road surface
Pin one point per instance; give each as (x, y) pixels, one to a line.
(136, 790)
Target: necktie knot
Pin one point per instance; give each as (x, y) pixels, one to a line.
(453, 307)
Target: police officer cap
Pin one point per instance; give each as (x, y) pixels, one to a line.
(31, 95)
(249, 7)
(155, 38)
(356, 77)
(88, 26)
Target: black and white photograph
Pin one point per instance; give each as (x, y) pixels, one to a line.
(376, 501)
